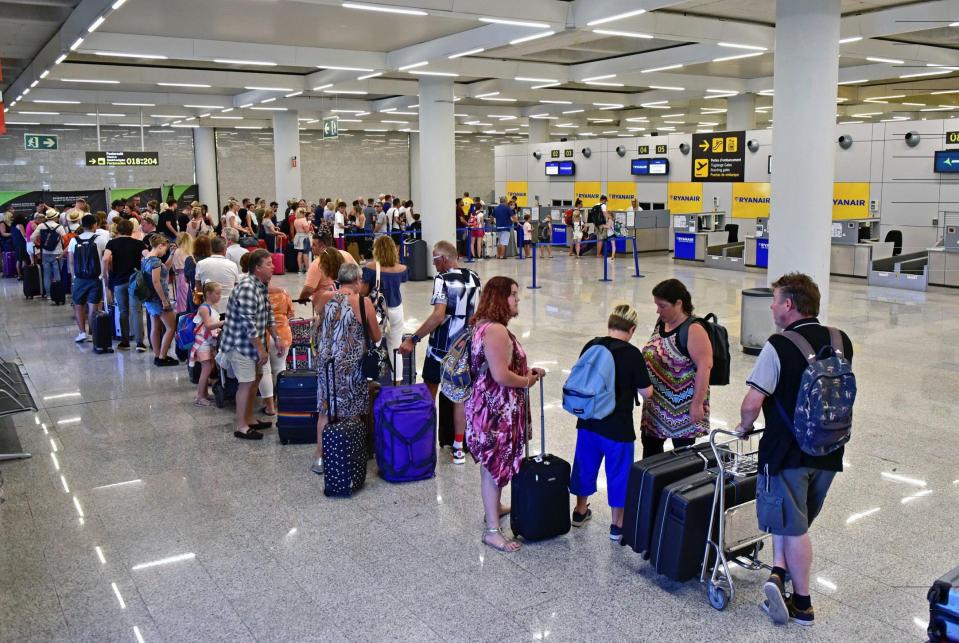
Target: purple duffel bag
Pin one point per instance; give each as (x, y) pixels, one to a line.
(405, 433)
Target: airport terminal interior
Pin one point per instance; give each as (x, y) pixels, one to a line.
(731, 142)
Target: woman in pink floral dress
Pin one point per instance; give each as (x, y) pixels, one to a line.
(497, 411)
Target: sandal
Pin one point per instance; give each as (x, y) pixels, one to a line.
(249, 434)
(263, 411)
(203, 401)
(508, 546)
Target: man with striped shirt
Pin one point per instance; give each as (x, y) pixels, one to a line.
(455, 295)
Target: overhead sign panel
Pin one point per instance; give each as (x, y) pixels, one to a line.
(946, 161)
(122, 159)
(719, 157)
(751, 200)
(684, 198)
(331, 127)
(41, 142)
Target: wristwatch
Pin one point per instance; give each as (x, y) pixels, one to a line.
(415, 338)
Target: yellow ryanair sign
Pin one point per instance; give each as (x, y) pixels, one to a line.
(850, 200)
(620, 194)
(750, 200)
(588, 191)
(683, 198)
(520, 190)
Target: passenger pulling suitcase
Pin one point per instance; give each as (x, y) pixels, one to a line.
(944, 608)
(344, 448)
(647, 479)
(101, 325)
(682, 521)
(296, 390)
(539, 494)
(405, 432)
(31, 281)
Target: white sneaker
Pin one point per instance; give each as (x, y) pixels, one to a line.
(82, 337)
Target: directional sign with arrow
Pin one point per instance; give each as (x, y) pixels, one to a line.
(719, 157)
(947, 161)
(41, 142)
(331, 127)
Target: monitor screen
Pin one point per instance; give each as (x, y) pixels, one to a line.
(646, 167)
(560, 168)
(947, 161)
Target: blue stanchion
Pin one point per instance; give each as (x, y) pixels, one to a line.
(534, 286)
(638, 274)
(605, 260)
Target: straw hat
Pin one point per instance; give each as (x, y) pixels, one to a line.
(74, 216)
(52, 214)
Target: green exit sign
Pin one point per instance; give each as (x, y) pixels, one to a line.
(41, 142)
(331, 128)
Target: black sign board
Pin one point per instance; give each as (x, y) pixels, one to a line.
(643, 149)
(719, 157)
(952, 138)
(96, 199)
(661, 149)
(568, 154)
(554, 154)
(122, 159)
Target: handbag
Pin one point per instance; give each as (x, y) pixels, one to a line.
(375, 365)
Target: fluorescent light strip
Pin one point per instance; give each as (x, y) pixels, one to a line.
(257, 63)
(515, 23)
(618, 16)
(76, 43)
(654, 69)
(269, 89)
(866, 114)
(419, 64)
(479, 50)
(526, 79)
(726, 58)
(498, 99)
(484, 95)
(44, 74)
(343, 68)
(367, 76)
(370, 7)
(670, 89)
(38, 114)
(880, 99)
(90, 80)
(270, 109)
(556, 102)
(853, 82)
(166, 115)
(535, 36)
(228, 118)
(545, 85)
(197, 85)
(316, 89)
(939, 93)
(729, 95)
(602, 83)
(345, 91)
(200, 106)
(891, 61)
(604, 77)
(914, 105)
(574, 111)
(58, 102)
(135, 104)
(112, 54)
(164, 561)
(247, 127)
(423, 72)
(60, 59)
(600, 120)
(735, 45)
(937, 109)
(624, 34)
(930, 73)
(843, 41)
(106, 114)
(267, 100)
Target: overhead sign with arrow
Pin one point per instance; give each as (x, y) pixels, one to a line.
(331, 127)
(41, 142)
(123, 159)
(947, 161)
(720, 156)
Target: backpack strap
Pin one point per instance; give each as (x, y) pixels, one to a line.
(682, 338)
(835, 339)
(802, 344)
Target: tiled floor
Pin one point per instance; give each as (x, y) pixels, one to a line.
(126, 471)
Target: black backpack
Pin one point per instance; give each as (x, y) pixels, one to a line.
(719, 338)
(596, 216)
(49, 238)
(86, 258)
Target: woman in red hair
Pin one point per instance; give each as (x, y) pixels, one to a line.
(497, 411)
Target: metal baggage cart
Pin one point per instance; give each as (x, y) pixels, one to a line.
(734, 536)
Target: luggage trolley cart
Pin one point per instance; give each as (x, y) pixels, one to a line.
(733, 534)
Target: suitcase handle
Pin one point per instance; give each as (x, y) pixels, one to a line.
(542, 421)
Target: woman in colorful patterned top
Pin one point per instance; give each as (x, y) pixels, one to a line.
(679, 357)
(497, 411)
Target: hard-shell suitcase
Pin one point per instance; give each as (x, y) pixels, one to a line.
(539, 493)
(101, 325)
(65, 277)
(9, 264)
(289, 258)
(296, 390)
(344, 448)
(31, 281)
(57, 294)
(647, 479)
(682, 521)
(944, 608)
(417, 259)
(405, 432)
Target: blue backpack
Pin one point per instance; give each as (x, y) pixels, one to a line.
(186, 330)
(589, 392)
(822, 419)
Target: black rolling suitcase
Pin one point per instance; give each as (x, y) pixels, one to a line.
(289, 258)
(944, 608)
(344, 448)
(647, 479)
(296, 413)
(417, 259)
(101, 326)
(539, 493)
(32, 286)
(57, 294)
(682, 521)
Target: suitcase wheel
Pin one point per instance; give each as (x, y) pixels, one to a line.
(718, 597)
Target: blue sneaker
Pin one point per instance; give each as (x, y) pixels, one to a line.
(615, 533)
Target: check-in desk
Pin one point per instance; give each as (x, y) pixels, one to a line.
(693, 234)
(757, 245)
(651, 230)
(944, 259)
(855, 246)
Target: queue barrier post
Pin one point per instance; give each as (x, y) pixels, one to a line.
(638, 274)
(520, 240)
(469, 245)
(534, 286)
(605, 259)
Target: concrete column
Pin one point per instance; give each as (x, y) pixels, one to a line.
(415, 193)
(437, 177)
(538, 130)
(204, 158)
(286, 147)
(804, 104)
(741, 112)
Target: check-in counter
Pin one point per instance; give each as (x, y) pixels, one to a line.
(905, 271)
(855, 246)
(693, 234)
(943, 267)
(651, 230)
(757, 245)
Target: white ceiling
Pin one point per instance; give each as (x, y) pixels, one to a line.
(180, 83)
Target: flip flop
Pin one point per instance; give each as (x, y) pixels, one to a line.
(505, 547)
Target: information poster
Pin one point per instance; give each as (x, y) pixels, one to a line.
(620, 194)
(850, 201)
(719, 157)
(684, 198)
(96, 199)
(750, 200)
(22, 201)
(146, 194)
(520, 190)
(588, 191)
(183, 194)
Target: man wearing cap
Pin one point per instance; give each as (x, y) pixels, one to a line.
(47, 238)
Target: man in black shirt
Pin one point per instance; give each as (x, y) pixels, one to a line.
(121, 258)
(792, 485)
(613, 436)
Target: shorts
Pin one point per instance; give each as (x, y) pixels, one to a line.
(154, 308)
(432, 370)
(243, 368)
(591, 450)
(789, 501)
(86, 291)
(503, 237)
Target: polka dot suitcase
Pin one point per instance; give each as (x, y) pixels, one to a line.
(344, 449)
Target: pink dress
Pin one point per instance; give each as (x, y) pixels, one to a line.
(497, 417)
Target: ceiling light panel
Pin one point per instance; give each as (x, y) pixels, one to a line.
(535, 36)
(380, 8)
(618, 16)
(515, 23)
(623, 34)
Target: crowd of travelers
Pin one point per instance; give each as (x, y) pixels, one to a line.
(165, 261)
